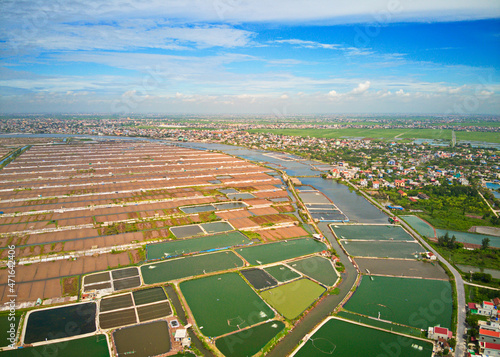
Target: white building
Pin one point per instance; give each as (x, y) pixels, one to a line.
(181, 335)
(487, 309)
(435, 333)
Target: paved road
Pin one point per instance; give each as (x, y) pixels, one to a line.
(461, 342)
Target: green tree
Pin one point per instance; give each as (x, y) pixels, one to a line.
(472, 321)
(484, 277)
(485, 244)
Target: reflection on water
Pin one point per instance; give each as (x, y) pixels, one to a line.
(494, 186)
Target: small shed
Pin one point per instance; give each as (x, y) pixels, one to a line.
(180, 334)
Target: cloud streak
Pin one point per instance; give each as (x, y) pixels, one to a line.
(230, 53)
(238, 11)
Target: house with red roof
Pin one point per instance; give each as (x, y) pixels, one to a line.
(430, 256)
(496, 301)
(487, 309)
(472, 307)
(487, 335)
(437, 332)
(489, 349)
(399, 183)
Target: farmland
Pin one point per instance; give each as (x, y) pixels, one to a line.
(385, 134)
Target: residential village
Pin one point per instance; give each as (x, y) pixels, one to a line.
(487, 334)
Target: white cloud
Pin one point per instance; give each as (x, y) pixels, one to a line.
(348, 50)
(486, 93)
(237, 11)
(452, 90)
(126, 35)
(457, 89)
(371, 102)
(361, 88)
(309, 44)
(401, 93)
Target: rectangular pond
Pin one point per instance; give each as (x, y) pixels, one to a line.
(144, 340)
(342, 339)
(147, 296)
(180, 268)
(224, 303)
(282, 273)
(240, 196)
(259, 278)
(318, 268)
(292, 299)
(397, 300)
(371, 232)
(95, 346)
(249, 342)
(275, 252)
(60, 322)
(192, 245)
(402, 268)
(383, 249)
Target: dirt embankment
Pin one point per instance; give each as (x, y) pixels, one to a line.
(492, 231)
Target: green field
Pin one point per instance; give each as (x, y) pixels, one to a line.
(224, 303)
(291, 299)
(489, 137)
(412, 331)
(385, 134)
(397, 300)
(250, 341)
(371, 232)
(95, 346)
(189, 266)
(363, 132)
(275, 252)
(201, 244)
(318, 268)
(383, 249)
(282, 273)
(345, 339)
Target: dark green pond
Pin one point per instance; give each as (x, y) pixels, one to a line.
(61, 322)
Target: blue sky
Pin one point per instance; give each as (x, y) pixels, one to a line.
(241, 56)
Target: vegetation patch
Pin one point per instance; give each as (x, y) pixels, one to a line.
(70, 285)
(292, 299)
